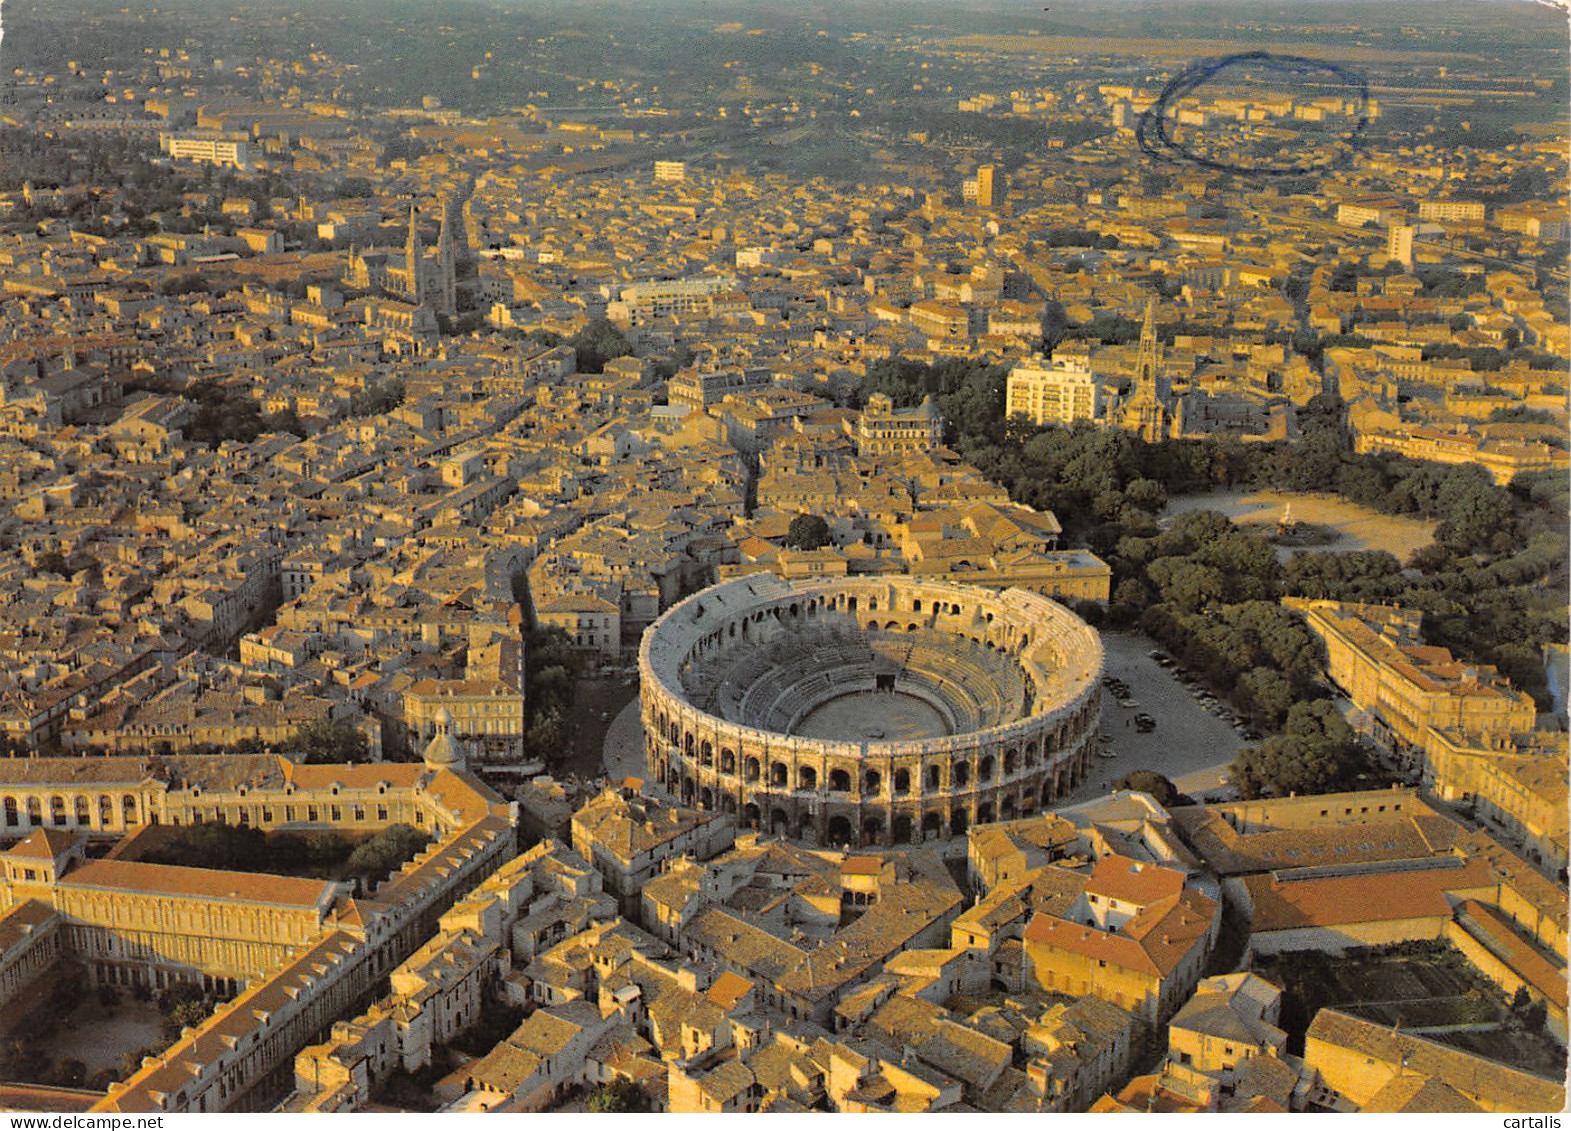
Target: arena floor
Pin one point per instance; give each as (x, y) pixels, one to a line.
(872, 716)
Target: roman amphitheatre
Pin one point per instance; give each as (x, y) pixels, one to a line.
(866, 712)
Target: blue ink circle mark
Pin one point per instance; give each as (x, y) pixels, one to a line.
(1161, 135)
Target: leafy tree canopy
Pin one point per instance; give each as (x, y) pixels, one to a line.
(807, 532)
(1315, 753)
(598, 343)
(385, 852)
(619, 1096)
(377, 398)
(330, 740)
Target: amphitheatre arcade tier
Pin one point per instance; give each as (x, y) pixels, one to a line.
(868, 712)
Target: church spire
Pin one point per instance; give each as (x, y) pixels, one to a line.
(1146, 411)
(1145, 366)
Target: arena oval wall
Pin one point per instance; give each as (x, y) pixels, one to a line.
(727, 674)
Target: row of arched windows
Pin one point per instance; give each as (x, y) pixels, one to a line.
(78, 811)
(1016, 759)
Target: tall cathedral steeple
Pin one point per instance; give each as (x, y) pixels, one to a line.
(1145, 366)
(1147, 411)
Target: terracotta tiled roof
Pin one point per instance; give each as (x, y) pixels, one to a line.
(861, 866)
(199, 883)
(1484, 1081)
(1119, 950)
(1146, 1094)
(42, 844)
(1546, 897)
(728, 989)
(1285, 901)
(1496, 933)
(1230, 852)
(54, 771)
(1130, 881)
(1422, 1094)
(22, 920)
(628, 829)
(1153, 942)
(397, 775)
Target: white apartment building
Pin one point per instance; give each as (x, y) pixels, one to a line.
(212, 150)
(1060, 391)
(642, 301)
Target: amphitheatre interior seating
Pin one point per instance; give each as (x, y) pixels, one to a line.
(771, 684)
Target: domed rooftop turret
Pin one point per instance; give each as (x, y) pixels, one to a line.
(443, 751)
